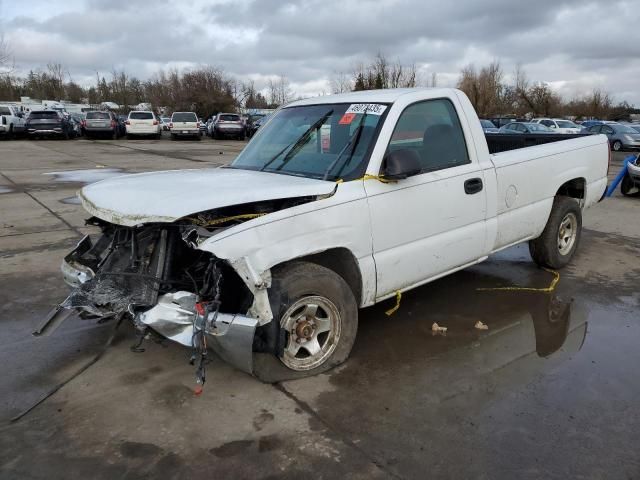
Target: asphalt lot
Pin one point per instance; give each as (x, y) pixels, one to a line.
(549, 391)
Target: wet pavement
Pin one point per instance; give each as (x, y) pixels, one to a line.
(550, 390)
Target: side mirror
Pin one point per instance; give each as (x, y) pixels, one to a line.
(401, 164)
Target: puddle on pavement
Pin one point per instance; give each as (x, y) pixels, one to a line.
(87, 176)
(528, 333)
(71, 200)
(5, 189)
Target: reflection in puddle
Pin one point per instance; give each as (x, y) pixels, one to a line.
(528, 333)
(90, 175)
(5, 189)
(75, 200)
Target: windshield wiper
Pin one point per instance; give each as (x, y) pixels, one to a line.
(294, 146)
(355, 138)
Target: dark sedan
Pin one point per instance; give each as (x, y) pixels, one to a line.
(49, 123)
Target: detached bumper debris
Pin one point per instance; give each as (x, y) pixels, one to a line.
(153, 275)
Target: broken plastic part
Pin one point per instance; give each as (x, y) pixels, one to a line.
(481, 326)
(435, 328)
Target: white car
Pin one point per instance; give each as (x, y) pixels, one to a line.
(184, 124)
(558, 125)
(143, 122)
(339, 203)
(11, 121)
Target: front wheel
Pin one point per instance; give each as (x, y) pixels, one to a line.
(319, 315)
(559, 240)
(617, 145)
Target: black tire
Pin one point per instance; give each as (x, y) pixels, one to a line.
(292, 283)
(88, 136)
(10, 134)
(545, 250)
(628, 188)
(157, 136)
(173, 136)
(617, 146)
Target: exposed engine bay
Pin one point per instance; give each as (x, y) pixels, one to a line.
(155, 274)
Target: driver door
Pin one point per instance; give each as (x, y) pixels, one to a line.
(431, 223)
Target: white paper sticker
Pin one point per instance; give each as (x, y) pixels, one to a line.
(370, 108)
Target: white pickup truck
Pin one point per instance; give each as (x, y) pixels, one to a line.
(338, 202)
(11, 121)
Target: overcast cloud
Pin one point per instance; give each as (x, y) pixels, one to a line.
(573, 45)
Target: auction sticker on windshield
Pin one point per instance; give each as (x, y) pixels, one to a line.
(369, 108)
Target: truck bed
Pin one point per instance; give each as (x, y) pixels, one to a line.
(502, 142)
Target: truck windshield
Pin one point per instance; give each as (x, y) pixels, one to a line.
(315, 141)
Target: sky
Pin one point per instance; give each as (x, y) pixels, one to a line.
(573, 45)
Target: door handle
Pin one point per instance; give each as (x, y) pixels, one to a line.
(473, 185)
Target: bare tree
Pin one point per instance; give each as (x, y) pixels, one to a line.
(6, 61)
(340, 83)
(279, 91)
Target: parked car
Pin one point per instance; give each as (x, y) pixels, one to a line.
(79, 118)
(49, 123)
(268, 261)
(202, 126)
(621, 137)
(101, 123)
(525, 127)
(76, 127)
(228, 125)
(11, 121)
(143, 122)
(165, 121)
(255, 125)
(210, 124)
(630, 185)
(184, 124)
(500, 122)
(559, 125)
(590, 123)
(488, 126)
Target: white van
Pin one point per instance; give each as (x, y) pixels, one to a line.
(142, 122)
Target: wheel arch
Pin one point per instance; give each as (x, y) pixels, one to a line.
(574, 188)
(339, 260)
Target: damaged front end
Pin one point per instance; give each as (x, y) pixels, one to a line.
(154, 274)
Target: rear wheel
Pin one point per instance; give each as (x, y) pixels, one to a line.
(617, 145)
(319, 314)
(559, 240)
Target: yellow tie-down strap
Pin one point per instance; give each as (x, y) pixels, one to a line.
(380, 178)
(550, 288)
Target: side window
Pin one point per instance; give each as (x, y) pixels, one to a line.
(547, 123)
(433, 130)
(607, 130)
(595, 129)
